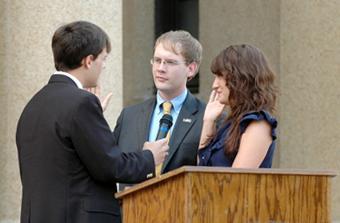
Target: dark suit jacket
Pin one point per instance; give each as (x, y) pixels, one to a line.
(69, 163)
(133, 124)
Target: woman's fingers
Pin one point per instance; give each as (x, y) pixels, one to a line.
(212, 96)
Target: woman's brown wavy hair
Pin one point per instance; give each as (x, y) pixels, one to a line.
(251, 84)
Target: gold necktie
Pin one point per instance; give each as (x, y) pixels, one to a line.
(167, 107)
(166, 110)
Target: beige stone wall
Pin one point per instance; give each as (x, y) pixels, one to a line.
(310, 86)
(138, 39)
(25, 66)
(223, 23)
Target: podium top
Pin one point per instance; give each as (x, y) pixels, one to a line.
(205, 169)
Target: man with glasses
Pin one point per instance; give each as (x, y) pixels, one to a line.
(176, 59)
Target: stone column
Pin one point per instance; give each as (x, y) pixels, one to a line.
(310, 88)
(138, 41)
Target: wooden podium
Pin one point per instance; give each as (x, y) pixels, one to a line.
(214, 194)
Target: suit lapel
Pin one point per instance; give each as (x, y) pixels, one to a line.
(184, 122)
(144, 118)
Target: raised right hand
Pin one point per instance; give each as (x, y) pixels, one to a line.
(214, 108)
(103, 100)
(159, 150)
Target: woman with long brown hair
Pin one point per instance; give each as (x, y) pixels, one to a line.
(244, 83)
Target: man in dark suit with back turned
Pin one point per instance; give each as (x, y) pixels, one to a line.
(176, 59)
(69, 162)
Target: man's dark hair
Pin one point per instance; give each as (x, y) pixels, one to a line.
(74, 41)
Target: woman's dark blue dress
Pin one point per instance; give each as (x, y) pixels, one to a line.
(213, 153)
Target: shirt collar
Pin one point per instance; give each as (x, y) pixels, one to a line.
(176, 102)
(78, 83)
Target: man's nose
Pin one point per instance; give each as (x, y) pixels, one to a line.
(162, 65)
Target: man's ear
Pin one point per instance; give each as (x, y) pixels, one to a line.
(192, 70)
(87, 61)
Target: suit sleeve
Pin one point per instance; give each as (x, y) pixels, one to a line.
(118, 127)
(93, 141)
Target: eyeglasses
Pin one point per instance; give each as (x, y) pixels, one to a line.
(167, 62)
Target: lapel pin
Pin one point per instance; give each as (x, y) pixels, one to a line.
(187, 120)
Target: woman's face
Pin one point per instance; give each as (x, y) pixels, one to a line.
(220, 86)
